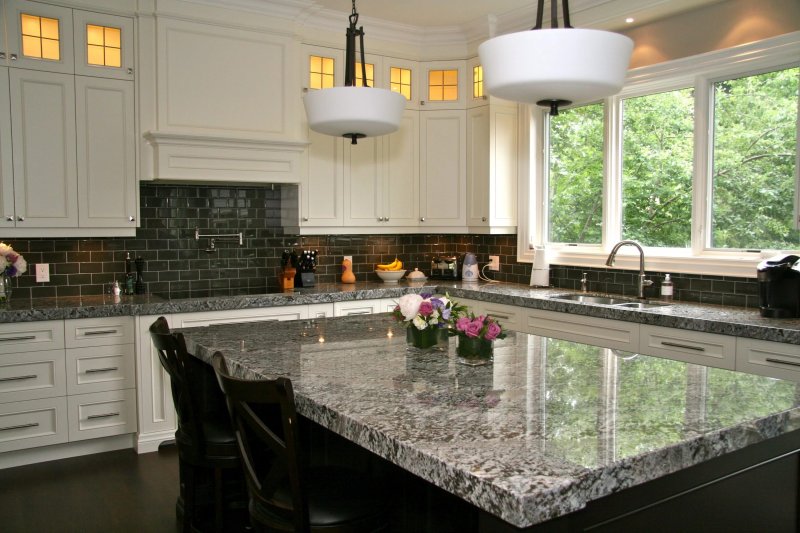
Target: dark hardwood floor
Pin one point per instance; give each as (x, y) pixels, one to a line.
(107, 492)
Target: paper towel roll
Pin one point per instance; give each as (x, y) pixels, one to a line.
(540, 274)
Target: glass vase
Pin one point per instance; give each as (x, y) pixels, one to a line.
(474, 351)
(426, 339)
(5, 288)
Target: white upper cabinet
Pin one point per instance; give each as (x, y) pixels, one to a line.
(43, 139)
(39, 36)
(443, 85)
(443, 174)
(107, 163)
(7, 216)
(103, 45)
(400, 184)
(400, 76)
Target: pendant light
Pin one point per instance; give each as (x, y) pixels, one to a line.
(557, 66)
(350, 111)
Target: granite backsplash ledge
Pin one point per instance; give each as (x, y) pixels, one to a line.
(178, 265)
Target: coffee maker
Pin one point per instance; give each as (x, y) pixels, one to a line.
(779, 286)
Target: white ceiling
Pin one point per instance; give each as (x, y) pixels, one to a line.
(608, 14)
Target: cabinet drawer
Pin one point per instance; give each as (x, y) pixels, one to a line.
(320, 310)
(99, 331)
(33, 423)
(587, 329)
(773, 359)
(101, 414)
(31, 336)
(32, 375)
(100, 368)
(235, 316)
(510, 317)
(357, 307)
(696, 347)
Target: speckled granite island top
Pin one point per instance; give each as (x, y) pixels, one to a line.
(548, 427)
(724, 320)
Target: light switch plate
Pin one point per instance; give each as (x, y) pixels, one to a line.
(494, 262)
(42, 272)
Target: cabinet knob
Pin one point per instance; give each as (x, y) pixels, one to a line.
(422, 102)
(2, 55)
(422, 219)
(9, 218)
(483, 219)
(129, 70)
(131, 219)
(305, 219)
(13, 57)
(380, 219)
(386, 219)
(21, 219)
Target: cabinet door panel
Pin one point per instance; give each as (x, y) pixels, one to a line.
(504, 150)
(401, 182)
(110, 51)
(443, 173)
(362, 183)
(43, 138)
(106, 149)
(52, 51)
(322, 191)
(478, 166)
(6, 167)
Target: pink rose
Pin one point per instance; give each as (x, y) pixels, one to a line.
(492, 331)
(474, 328)
(425, 308)
(462, 323)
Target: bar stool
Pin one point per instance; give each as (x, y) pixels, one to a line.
(285, 494)
(205, 438)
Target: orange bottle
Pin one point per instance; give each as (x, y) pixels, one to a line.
(347, 271)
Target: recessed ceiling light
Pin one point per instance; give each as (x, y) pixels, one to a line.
(629, 20)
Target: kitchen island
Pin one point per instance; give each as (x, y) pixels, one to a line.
(553, 434)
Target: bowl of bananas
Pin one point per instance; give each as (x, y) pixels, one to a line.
(390, 272)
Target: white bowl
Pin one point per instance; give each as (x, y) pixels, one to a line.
(390, 276)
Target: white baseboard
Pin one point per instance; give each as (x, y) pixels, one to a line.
(149, 442)
(66, 450)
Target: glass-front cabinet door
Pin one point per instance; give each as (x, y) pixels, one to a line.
(103, 45)
(39, 36)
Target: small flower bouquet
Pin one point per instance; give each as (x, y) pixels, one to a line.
(427, 318)
(12, 265)
(475, 337)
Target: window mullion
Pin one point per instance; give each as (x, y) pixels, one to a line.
(612, 181)
(701, 180)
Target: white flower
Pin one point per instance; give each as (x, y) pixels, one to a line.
(5, 249)
(3, 263)
(419, 322)
(409, 306)
(22, 266)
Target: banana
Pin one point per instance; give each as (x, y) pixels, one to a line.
(394, 265)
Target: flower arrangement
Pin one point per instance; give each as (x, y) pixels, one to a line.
(12, 264)
(427, 317)
(475, 337)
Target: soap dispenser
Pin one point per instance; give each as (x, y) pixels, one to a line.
(666, 289)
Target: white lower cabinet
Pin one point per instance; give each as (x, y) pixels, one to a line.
(766, 358)
(157, 420)
(32, 375)
(320, 310)
(101, 414)
(357, 307)
(579, 328)
(709, 349)
(33, 423)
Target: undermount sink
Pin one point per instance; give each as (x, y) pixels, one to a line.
(609, 300)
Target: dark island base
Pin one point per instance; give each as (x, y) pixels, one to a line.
(755, 489)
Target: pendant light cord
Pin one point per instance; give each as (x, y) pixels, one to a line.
(553, 14)
(350, 52)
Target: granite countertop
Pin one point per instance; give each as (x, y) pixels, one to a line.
(724, 320)
(523, 438)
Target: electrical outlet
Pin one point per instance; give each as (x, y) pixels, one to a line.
(494, 262)
(349, 257)
(42, 272)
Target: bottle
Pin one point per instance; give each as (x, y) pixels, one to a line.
(666, 289)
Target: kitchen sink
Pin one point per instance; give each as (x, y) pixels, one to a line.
(609, 300)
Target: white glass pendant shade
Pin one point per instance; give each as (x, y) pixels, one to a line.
(568, 64)
(361, 111)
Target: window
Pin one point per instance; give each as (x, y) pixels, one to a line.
(754, 161)
(40, 37)
(695, 158)
(575, 178)
(443, 85)
(477, 81)
(400, 81)
(370, 68)
(320, 72)
(657, 144)
(103, 46)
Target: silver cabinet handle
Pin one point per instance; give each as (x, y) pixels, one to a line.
(21, 426)
(422, 219)
(21, 219)
(104, 415)
(19, 378)
(685, 346)
(349, 313)
(131, 219)
(98, 370)
(781, 361)
(100, 332)
(25, 338)
(495, 315)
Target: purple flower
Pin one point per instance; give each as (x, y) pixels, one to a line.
(446, 313)
(492, 331)
(425, 308)
(426, 295)
(462, 323)
(474, 327)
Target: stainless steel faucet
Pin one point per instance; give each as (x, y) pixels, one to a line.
(584, 283)
(613, 255)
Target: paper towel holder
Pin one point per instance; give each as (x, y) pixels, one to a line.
(540, 270)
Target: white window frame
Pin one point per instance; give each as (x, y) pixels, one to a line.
(701, 72)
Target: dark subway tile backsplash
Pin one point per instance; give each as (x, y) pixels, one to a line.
(179, 266)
